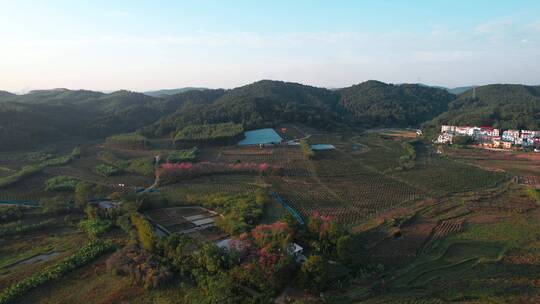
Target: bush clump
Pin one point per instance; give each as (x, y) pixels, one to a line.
(11, 213)
(306, 149)
(210, 134)
(180, 156)
(534, 195)
(95, 227)
(143, 166)
(128, 141)
(106, 170)
(61, 183)
(145, 231)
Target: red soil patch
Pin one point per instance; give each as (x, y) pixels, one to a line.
(486, 218)
(535, 157)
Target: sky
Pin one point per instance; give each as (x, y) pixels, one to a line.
(148, 45)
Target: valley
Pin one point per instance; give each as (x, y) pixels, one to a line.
(412, 222)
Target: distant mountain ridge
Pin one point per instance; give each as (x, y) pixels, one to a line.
(267, 103)
(6, 94)
(49, 115)
(169, 92)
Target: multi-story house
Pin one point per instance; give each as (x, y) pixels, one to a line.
(510, 135)
(445, 138)
(526, 134)
(446, 128)
(465, 130)
(489, 131)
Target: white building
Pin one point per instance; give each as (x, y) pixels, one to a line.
(445, 128)
(510, 135)
(464, 130)
(445, 138)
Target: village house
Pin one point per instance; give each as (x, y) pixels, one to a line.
(489, 131)
(445, 128)
(526, 134)
(445, 138)
(510, 135)
(464, 131)
(490, 137)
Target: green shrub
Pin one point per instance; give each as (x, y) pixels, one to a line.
(95, 227)
(534, 195)
(407, 159)
(106, 170)
(128, 141)
(187, 155)
(61, 183)
(11, 213)
(222, 133)
(241, 212)
(306, 149)
(57, 205)
(143, 166)
(87, 253)
(124, 222)
(145, 231)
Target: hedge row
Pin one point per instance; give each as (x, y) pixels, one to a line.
(145, 231)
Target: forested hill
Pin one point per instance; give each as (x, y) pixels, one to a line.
(266, 103)
(47, 115)
(169, 92)
(263, 103)
(375, 103)
(5, 95)
(50, 115)
(506, 106)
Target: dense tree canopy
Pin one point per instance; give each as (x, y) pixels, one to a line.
(49, 115)
(503, 106)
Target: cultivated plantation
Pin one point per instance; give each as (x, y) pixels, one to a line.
(377, 215)
(337, 189)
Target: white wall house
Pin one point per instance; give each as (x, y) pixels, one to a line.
(445, 138)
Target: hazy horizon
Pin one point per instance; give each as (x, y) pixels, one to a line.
(28, 90)
(157, 45)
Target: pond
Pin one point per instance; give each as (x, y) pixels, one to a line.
(19, 203)
(322, 147)
(260, 137)
(38, 258)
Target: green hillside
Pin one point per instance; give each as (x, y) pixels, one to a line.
(48, 115)
(375, 103)
(506, 106)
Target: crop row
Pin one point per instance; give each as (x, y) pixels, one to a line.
(349, 201)
(86, 254)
